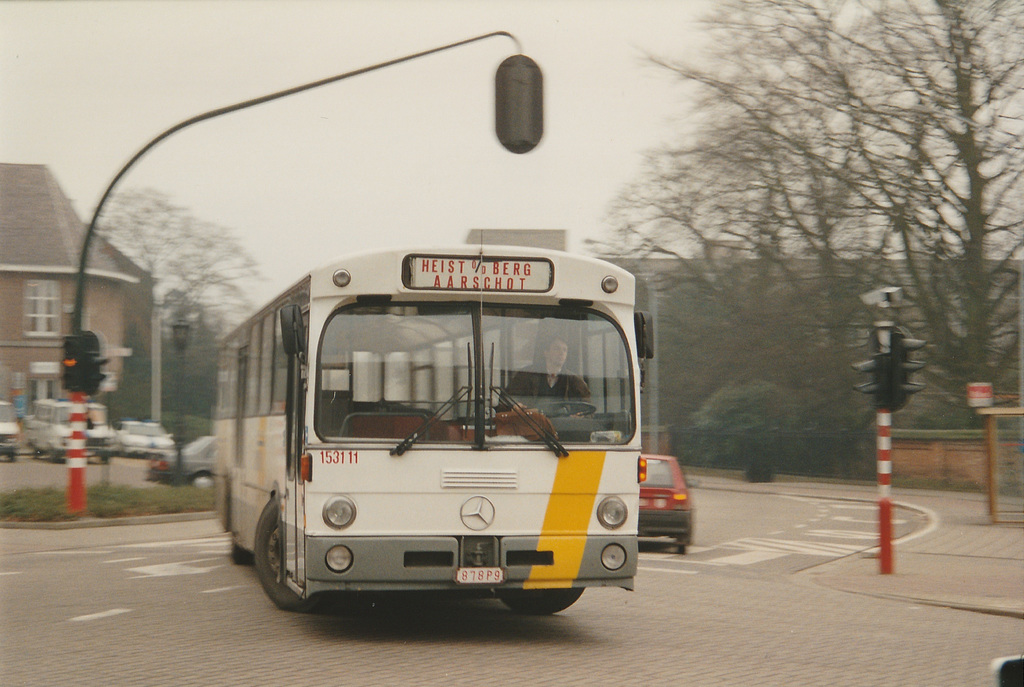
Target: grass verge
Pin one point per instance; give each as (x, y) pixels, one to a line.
(103, 501)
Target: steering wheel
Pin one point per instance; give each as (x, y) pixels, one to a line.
(567, 408)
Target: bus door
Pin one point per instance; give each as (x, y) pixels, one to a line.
(292, 530)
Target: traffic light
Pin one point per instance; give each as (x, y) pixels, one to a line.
(519, 104)
(879, 385)
(71, 363)
(902, 367)
(82, 364)
(92, 373)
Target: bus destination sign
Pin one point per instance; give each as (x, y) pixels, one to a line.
(467, 273)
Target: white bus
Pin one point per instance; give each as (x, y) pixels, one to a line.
(459, 419)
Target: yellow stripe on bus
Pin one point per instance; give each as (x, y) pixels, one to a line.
(567, 519)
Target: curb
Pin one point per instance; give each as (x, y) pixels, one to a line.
(109, 522)
(941, 603)
(853, 499)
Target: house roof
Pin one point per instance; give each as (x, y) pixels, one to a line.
(40, 231)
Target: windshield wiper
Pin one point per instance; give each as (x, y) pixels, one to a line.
(519, 409)
(407, 442)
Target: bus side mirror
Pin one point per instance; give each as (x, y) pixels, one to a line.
(293, 332)
(644, 325)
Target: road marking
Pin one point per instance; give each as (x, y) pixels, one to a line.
(668, 570)
(794, 546)
(16, 572)
(747, 558)
(172, 569)
(102, 614)
(126, 560)
(220, 589)
(843, 534)
(872, 521)
(204, 541)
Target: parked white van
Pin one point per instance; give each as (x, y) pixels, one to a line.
(49, 427)
(9, 431)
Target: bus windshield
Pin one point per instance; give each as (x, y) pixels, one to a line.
(520, 374)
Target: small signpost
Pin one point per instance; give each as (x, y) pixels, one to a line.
(979, 395)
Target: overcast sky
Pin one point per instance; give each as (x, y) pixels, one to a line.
(405, 155)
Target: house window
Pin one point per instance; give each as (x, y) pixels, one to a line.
(42, 307)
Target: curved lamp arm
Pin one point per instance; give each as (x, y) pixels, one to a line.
(76, 322)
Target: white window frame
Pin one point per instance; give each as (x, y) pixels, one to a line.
(42, 307)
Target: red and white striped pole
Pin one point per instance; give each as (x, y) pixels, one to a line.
(885, 491)
(76, 453)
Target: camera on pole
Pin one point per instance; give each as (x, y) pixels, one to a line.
(890, 366)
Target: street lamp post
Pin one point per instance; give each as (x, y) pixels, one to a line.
(519, 126)
(179, 334)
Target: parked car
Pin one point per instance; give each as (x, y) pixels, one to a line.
(666, 509)
(197, 461)
(143, 439)
(9, 431)
(49, 427)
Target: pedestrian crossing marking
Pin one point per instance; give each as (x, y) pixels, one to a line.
(748, 558)
(794, 546)
(843, 534)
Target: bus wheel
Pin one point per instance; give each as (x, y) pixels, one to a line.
(268, 563)
(540, 601)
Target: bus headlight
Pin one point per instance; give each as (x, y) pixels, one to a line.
(613, 557)
(612, 512)
(339, 558)
(339, 512)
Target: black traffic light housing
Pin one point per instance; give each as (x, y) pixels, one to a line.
(71, 363)
(903, 366)
(82, 363)
(519, 104)
(890, 367)
(879, 385)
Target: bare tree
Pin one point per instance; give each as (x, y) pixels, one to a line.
(195, 265)
(851, 144)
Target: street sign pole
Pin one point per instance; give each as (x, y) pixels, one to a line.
(884, 420)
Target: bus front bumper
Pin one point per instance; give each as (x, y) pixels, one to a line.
(433, 563)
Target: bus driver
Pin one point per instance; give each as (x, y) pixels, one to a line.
(548, 380)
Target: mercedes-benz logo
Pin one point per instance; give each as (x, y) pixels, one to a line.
(477, 513)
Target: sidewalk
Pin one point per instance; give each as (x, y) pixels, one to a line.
(960, 560)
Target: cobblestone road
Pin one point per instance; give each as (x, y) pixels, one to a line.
(168, 608)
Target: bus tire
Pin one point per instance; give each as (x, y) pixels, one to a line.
(540, 601)
(268, 563)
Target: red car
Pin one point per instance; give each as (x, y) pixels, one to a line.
(666, 509)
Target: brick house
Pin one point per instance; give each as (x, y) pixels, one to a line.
(40, 240)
